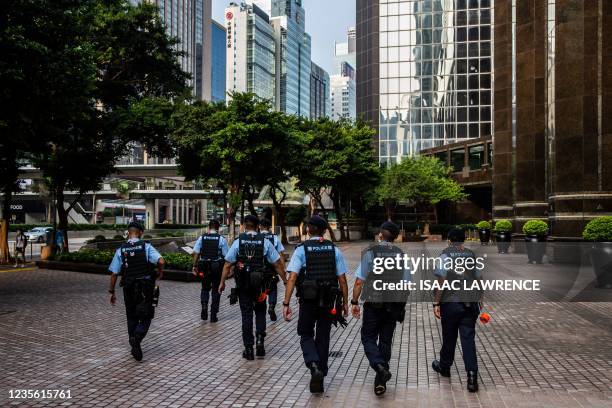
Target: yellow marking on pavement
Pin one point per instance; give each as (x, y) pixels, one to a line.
(18, 270)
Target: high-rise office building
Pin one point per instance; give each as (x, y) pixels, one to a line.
(319, 92)
(219, 59)
(346, 51)
(343, 97)
(189, 21)
(251, 49)
(424, 72)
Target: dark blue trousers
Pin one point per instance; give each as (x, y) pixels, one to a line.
(314, 327)
(216, 297)
(273, 295)
(377, 334)
(458, 319)
(138, 322)
(248, 307)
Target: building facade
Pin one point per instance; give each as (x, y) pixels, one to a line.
(343, 97)
(346, 51)
(424, 76)
(218, 61)
(250, 51)
(319, 92)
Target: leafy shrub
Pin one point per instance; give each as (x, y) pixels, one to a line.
(598, 230)
(296, 215)
(178, 226)
(483, 225)
(178, 261)
(72, 227)
(467, 227)
(535, 227)
(100, 257)
(503, 226)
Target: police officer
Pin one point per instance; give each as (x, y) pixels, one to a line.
(264, 228)
(457, 309)
(253, 279)
(382, 309)
(134, 261)
(319, 270)
(208, 253)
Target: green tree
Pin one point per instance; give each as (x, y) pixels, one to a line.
(422, 180)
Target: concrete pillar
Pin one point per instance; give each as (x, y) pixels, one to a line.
(169, 216)
(156, 216)
(203, 213)
(149, 213)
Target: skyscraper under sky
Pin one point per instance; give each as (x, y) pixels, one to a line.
(319, 93)
(219, 59)
(424, 72)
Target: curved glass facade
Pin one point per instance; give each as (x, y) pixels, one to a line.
(435, 82)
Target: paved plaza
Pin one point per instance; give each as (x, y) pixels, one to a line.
(57, 331)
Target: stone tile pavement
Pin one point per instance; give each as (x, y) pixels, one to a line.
(57, 331)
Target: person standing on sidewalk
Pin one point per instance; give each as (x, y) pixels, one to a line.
(208, 253)
(21, 243)
(134, 261)
(382, 309)
(264, 228)
(458, 310)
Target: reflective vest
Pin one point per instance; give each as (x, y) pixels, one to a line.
(134, 261)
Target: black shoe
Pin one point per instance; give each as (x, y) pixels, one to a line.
(204, 314)
(444, 372)
(136, 350)
(316, 379)
(248, 353)
(214, 318)
(380, 382)
(472, 381)
(260, 351)
(272, 313)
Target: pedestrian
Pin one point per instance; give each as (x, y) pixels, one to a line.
(382, 309)
(21, 243)
(134, 261)
(457, 309)
(208, 253)
(264, 228)
(318, 270)
(249, 253)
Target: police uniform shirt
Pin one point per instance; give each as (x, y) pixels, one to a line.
(367, 258)
(270, 253)
(298, 260)
(150, 252)
(277, 243)
(442, 272)
(222, 244)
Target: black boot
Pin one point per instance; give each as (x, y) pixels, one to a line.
(213, 317)
(260, 351)
(444, 372)
(380, 382)
(272, 313)
(204, 314)
(136, 350)
(472, 381)
(248, 353)
(316, 378)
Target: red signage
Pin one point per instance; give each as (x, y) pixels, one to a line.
(229, 15)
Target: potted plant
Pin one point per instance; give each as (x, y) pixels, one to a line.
(535, 239)
(599, 232)
(503, 235)
(484, 232)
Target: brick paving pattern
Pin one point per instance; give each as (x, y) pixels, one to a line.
(57, 331)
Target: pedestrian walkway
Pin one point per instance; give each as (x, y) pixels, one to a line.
(57, 331)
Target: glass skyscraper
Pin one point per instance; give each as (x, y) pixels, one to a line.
(218, 62)
(319, 93)
(424, 72)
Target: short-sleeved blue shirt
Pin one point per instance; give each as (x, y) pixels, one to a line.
(222, 244)
(367, 259)
(277, 242)
(269, 252)
(150, 252)
(298, 260)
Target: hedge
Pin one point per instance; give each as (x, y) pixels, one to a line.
(72, 227)
(179, 226)
(178, 261)
(598, 230)
(535, 227)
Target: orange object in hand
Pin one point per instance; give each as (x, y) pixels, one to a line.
(485, 317)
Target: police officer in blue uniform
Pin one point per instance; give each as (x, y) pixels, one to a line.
(264, 228)
(253, 279)
(382, 309)
(318, 269)
(208, 258)
(458, 310)
(134, 261)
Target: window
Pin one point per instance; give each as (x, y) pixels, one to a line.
(457, 157)
(476, 157)
(490, 158)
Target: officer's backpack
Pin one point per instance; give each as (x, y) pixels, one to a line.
(318, 280)
(466, 277)
(135, 265)
(372, 288)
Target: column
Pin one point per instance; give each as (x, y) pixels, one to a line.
(149, 213)
(203, 212)
(156, 216)
(169, 216)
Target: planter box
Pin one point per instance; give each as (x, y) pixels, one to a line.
(169, 274)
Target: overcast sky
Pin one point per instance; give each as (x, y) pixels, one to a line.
(326, 21)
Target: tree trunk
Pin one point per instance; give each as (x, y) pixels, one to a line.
(280, 213)
(389, 210)
(5, 254)
(336, 200)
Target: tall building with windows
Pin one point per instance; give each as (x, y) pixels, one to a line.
(189, 21)
(346, 51)
(424, 76)
(319, 92)
(218, 61)
(250, 50)
(343, 97)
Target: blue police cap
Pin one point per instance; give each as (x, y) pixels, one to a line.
(318, 222)
(251, 219)
(136, 225)
(456, 235)
(391, 227)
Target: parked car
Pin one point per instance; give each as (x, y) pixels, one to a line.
(38, 234)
